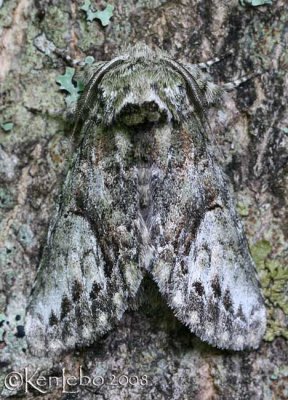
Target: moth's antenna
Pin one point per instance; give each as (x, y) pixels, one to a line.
(193, 85)
(88, 93)
(207, 64)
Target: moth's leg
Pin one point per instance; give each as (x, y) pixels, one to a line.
(209, 63)
(229, 86)
(212, 93)
(68, 59)
(46, 46)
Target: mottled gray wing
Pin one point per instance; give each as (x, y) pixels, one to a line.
(203, 266)
(89, 269)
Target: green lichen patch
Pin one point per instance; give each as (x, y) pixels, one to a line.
(6, 14)
(89, 60)
(66, 83)
(7, 126)
(104, 16)
(255, 3)
(90, 35)
(243, 209)
(274, 278)
(56, 23)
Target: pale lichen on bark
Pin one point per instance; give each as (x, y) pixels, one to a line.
(251, 136)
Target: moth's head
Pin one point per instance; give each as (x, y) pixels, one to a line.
(143, 86)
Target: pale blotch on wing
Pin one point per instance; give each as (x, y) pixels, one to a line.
(117, 299)
(194, 318)
(86, 332)
(239, 342)
(131, 273)
(103, 318)
(225, 337)
(162, 270)
(178, 299)
(209, 329)
(56, 346)
(71, 341)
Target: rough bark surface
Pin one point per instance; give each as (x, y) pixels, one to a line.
(250, 130)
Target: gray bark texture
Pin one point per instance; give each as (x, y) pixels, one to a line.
(149, 355)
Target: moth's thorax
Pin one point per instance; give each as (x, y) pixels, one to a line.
(125, 89)
(143, 91)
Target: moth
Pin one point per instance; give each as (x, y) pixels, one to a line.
(144, 195)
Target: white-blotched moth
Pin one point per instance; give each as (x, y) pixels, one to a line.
(144, 195)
